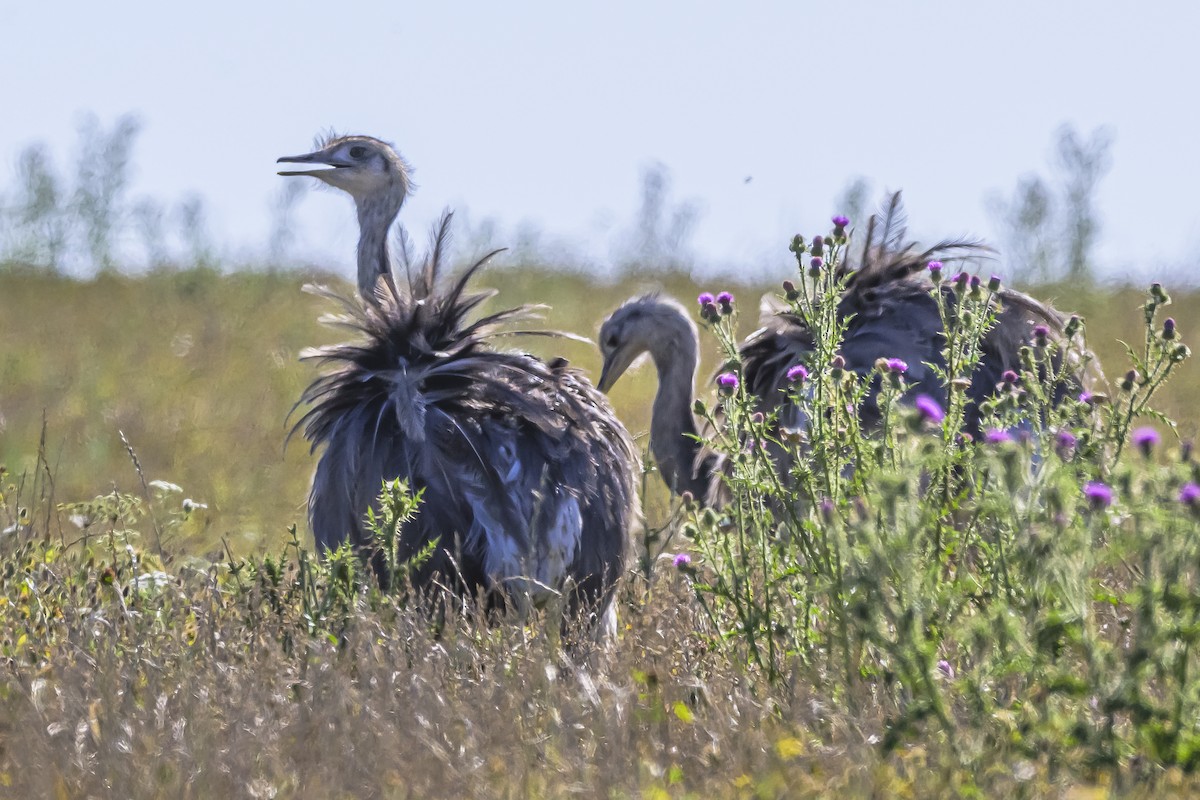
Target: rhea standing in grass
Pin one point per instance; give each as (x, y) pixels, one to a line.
(527, 475)
(893, 323)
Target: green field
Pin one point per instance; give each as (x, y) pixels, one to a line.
(955, 621)
(200, 371)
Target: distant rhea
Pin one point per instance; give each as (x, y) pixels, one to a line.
(890, 311)
(528, 476)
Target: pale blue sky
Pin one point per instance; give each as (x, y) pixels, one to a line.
(548, 111)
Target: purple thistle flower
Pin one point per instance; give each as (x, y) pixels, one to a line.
(1086, 397)
(826, 506)
(896, 365)
(841, 221)
(1040, 331)
(944, 667)
(1189, 495)
(1099, 495)
(994, 283)
(1168, 330)
(682, 561)
(705, 298)
(1010, 377)
(997, 436)
(724, 297)
(1065, 441)
(935, 266)
(727, 382)
(929, 409)
(817, 262)
(797, 374)
(1146, 439)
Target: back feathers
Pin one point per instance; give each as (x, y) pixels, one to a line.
(527, 474)
(892, 314)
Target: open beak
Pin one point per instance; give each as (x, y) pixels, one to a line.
(321, 157)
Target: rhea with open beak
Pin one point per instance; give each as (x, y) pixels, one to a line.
(375, 175)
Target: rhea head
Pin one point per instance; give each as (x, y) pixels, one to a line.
(647, 324)
(375, 175)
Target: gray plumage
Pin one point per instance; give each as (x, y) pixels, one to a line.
(891, 314)
(528, 476)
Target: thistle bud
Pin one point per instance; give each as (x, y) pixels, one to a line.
(1064, 444)
(1073, 325)
(976, 288)
(797, 374)
(1168, 328)
(994, 283)
(725, 302)
(818, 246)
(797, 246)
(960, 283)
(1189, 496)
(935, 271)
(789, 291)
(1129, 381)
(814, 266)
(727, 383)
(1146, 439)
(1041, 335)
(1159, 294)
(837, 367)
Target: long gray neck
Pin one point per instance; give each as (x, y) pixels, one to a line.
(672, 425)
(375, 217)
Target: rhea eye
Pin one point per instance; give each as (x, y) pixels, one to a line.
(610, 341)
(358, 151)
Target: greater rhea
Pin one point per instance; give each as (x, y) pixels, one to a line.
(890, 311)
(528, 476)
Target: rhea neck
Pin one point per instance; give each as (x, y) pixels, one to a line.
(376, 213)
(675, 351)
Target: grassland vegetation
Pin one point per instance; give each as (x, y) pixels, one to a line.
(903, 613)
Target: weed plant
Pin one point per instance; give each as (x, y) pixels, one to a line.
(1034, 592)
